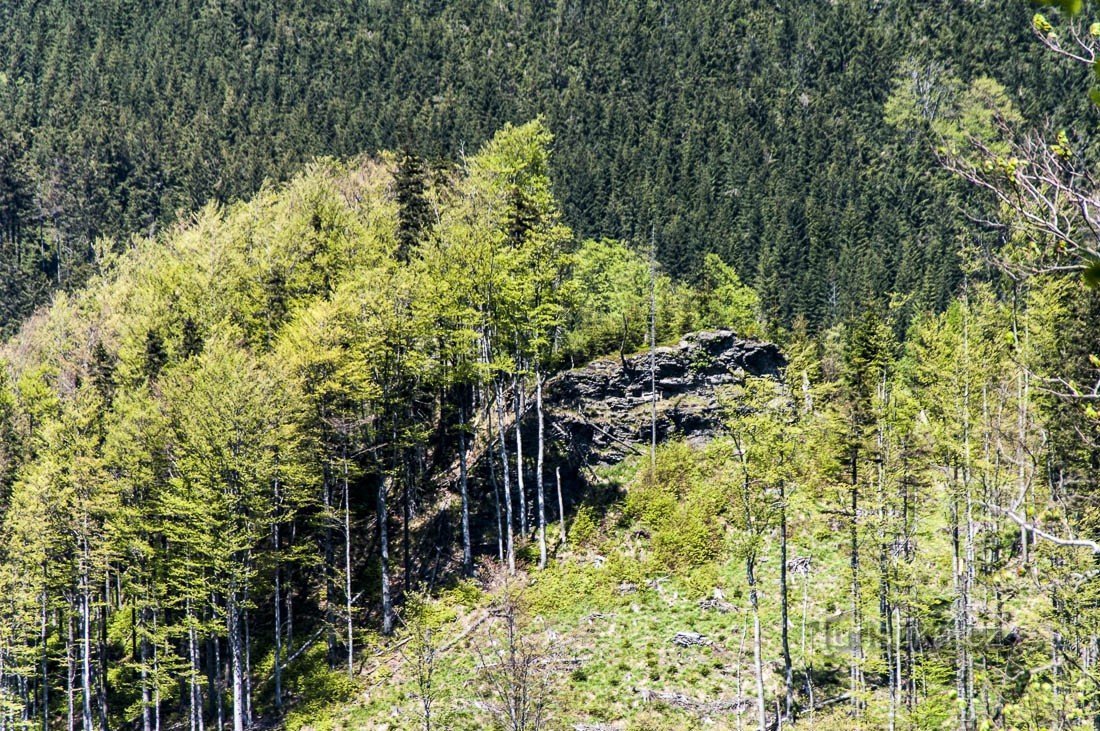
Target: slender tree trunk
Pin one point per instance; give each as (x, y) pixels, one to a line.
(959, 612)
(966, 570)
(538, 470)
(807, 664)
(70, 676)
(1023, 421)
(277, 605)
(247, 673)
(757, 650)
(347, 567)
(467, 546)
(896, 692)
(156, 677)
(653, 355)
(86, 627)
(220, 673)
(509, 542)
(290, 590)
(330, 561)
(886, 612)
(406, 519)
(3, 687)
(496, 496)
(520, 488)
(236, 659)
(146, 691)
(738, 683)
(904, 655)
(101, 686)
(784, 608)
(193, 676)
(857, 601)
(561, 505)
(45, 668)
(384, 555)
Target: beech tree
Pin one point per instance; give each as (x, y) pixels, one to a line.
(228, 424)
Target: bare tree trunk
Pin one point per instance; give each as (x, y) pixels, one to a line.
(3, 684)
(347, 567)
(509, 543)
(886, 612)
(217, 688)
(758, 661)
(156, 677)
(538, 471)
(518, 403)
(193, 676)
(467, 547)
(653, 355)
(784, 607)
(290, 590)
(247, 674)
(278, 607)
(86, 627)
(101, 686)
(561, 505)
(329, 562)
(70, 676)
(45, 668)
(496, 497)
(807, 664)
(384, 555)
(236, 659)
(406, 520)
(740, 690)
(896, 691)
(146, 694)
(1022, 477)
(965, 571)
(856, 669)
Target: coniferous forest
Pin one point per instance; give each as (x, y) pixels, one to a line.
(756, 131)
(545, 366)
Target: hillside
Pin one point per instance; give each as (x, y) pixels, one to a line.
(264, 465)
(747, 379)
(756, 131)
(229, 445)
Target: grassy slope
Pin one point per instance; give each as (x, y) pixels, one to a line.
(612, 607)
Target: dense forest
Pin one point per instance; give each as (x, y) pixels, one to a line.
(752, 130)
(297, 432)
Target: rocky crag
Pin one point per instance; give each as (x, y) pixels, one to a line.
(602, 411)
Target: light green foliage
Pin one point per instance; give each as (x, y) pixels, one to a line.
(176, 435)
(321, 688)
(1069, 7)
(610, 306)
(174, 439)
(585, 526)
(612, 288)
(956, 113)
(684, 505)
(722, 300)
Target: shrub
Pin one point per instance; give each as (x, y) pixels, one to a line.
(318, 687)
(585, 527)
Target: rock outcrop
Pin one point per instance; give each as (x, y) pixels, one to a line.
(603, 410)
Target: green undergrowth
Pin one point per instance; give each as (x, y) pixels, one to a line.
(662, 558)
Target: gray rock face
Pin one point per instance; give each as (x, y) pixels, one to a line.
(602, 410)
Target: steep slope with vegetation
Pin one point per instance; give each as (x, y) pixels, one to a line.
(230, 447)
(876, 543)
(755, 130)
(373, 448)
(269, 463)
